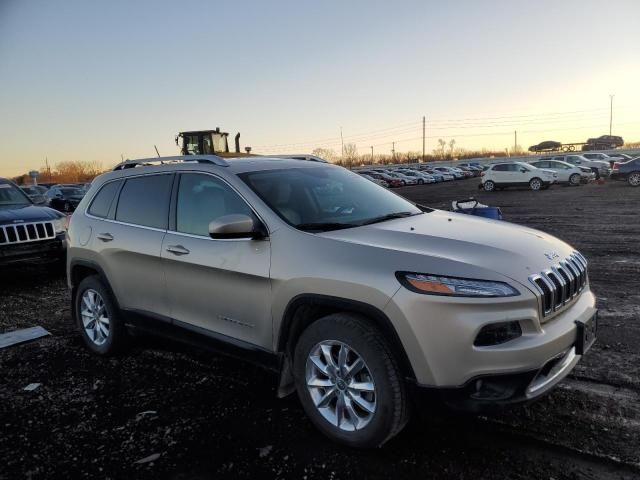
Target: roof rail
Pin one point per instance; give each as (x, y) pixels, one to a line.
(141, 162)
(301, 156)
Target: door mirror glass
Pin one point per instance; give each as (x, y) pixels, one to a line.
(236, 225)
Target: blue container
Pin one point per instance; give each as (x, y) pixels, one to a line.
(470, 206)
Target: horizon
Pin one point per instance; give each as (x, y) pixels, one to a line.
(97, 82)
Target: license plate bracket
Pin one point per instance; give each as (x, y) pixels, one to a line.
(586, 333)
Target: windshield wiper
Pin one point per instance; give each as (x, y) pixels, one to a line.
(324, 226)
(389, 216)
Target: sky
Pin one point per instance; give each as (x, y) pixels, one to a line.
(105, 80)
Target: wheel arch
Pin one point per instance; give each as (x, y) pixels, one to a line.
(305, 309)
(81, 269)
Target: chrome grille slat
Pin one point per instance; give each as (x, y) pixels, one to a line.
(560, 284)
(26, 233)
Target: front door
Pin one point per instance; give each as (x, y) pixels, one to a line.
(220, 286)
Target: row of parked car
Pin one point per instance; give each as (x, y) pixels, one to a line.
(392, 177)
(570, 169)
(64, 197)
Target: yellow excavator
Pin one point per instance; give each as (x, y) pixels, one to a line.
(209, 142)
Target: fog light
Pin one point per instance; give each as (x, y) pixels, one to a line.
(497, 333)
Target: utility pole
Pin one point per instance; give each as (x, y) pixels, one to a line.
(371, 153)
(610, 113)
(515, 141)
(342, 142)
(424, 122)
(393, 151)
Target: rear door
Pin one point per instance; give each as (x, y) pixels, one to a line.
(499, 174)
(218, 286)
(127, 239)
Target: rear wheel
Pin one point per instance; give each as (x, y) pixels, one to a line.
(489, 186)
(420, 181)
(67, 207)
(535, 184)
(98, 318)
(634, 179)
(349, 382)
(574, 179)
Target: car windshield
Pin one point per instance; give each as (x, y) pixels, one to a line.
(10, 195)
(326, 198)
(72, 191)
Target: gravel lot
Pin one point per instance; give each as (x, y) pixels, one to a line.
(198, 415)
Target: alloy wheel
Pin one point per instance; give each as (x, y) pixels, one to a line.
(634, 179)
(535, 184)
(340, 385)
(95, 318)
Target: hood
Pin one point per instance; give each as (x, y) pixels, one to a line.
(26, 213)
(456, 242)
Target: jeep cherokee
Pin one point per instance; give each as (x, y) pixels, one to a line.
(273, 260)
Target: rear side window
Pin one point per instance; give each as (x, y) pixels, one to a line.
(145, 201)
(102, 201)
(500, 168)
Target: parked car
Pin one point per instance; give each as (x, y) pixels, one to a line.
(393, 182)
(64, 199)
(516, 174)
(629, 171)
(603, 142)
(599, 167)
(567, 173)
(28, 232)
(377, 181)
(451, 172)
(360, 306)
(548, 145)
(34, 194)
(420, 177)
(406, 179)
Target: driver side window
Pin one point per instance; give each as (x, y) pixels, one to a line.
(203, 198)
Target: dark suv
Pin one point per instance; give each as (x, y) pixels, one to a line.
(629, 171)
(28, 232)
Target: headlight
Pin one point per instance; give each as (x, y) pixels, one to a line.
(454, 286)
(59, 225)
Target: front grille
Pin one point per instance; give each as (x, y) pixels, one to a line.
(561, 283)
(26, 232)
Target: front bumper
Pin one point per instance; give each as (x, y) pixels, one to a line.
(45, 250)
(438, 334)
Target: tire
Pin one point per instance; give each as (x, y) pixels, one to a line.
(67, 207)
(403, 183)
(535, 184)
(107, 338)
(388, 403)
(489, 186)
(633, 179)
(420, 181)
(574, 179)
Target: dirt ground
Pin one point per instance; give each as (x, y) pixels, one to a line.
(198, 415)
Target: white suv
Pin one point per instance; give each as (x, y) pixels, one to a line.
(516, 174)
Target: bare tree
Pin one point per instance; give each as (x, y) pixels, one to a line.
(452, 146)
(326, 153)
(350, 154)
(443, 145)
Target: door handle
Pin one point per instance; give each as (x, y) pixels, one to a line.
(177, 250)
(105, 237)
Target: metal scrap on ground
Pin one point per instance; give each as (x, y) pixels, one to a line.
(21, 336)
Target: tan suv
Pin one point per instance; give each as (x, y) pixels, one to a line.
(357, 298)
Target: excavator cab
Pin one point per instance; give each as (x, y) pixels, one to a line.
(207, 142)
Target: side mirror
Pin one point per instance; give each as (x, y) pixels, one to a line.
(58, 195)
(523, 170)
(236, 226)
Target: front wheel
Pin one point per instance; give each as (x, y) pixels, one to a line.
(574, 179)
(634, 179)
(535, 184)
(420, 181)
(349, 382)
(489, 186)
